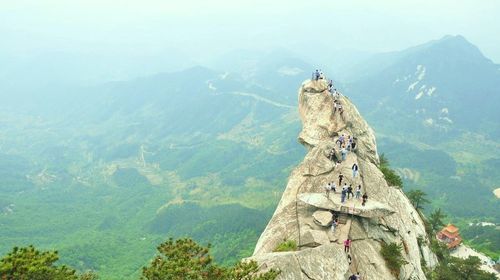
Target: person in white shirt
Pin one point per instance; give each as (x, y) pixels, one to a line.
(328, 188)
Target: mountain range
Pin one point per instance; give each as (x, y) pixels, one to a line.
(129, 163)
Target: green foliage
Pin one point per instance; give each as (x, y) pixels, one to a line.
(483, 238)
(461, 269)
(436, 219)
(383, 160)
(456, 177)
(420, 240)
(417, 198)
(424, 160)
(105, 222)
(452, 268)
(183, 259)
(286, 245)
(390, 175)
(249, 271)
(391, 252)
(439, 249)
(231, 228)
(427, 225)
(30, 264)
(89, 275)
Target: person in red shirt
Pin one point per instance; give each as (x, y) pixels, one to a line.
(347, 245)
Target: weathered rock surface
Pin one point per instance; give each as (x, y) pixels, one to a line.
(323, 262)
(322, 218)
(393, 220)
(314, 238)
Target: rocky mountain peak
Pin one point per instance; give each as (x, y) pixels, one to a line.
(305, 213)
(451, 47)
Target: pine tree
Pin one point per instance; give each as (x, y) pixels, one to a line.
(183, 259)
(461, 269)
(417, 198)
(436, 219)
(391, 252)
(30, 264)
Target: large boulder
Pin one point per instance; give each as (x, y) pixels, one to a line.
(322, 218)
(324, 262)
(314, 238)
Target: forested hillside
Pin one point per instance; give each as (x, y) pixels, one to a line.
(102, 171)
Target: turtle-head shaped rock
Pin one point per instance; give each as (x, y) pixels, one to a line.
(309, 203)
(321, 122)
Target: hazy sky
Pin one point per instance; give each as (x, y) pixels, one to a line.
(203, 28)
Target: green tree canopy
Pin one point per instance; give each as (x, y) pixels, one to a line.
(392, 178)
(461, 269)
(436, 219)
(391, 252)
(30, 264)
(184, 259)
(417, 198)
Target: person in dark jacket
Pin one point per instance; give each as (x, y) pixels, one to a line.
(343, 193)
(349, 192)
(365, 199)
(355, 170)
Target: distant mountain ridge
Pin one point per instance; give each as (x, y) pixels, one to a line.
(444, 85)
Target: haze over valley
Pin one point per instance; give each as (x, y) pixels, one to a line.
(104, 154)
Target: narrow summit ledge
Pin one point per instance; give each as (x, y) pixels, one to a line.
(373, 209)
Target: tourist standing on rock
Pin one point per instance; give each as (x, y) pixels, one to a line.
(343, 194)
(327, 190)
(349, 143)
(358, 277)
(352, 277)
(330, 86)
(340, 179)
(331, 155)
(316, 75)
(340, 140)
(365, 199)
(358, 192)
(349, 192)
(354, 170)
(335, 94)
(353, 145)
(333, 187)
(347, 245)
(335, 222)
(349, 259)
(343, 153)
(337, 106)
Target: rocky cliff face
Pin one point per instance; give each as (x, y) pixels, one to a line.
(304, 212)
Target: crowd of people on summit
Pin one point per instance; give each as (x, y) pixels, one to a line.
(346, 144)
(349, 190)
(337, 105)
